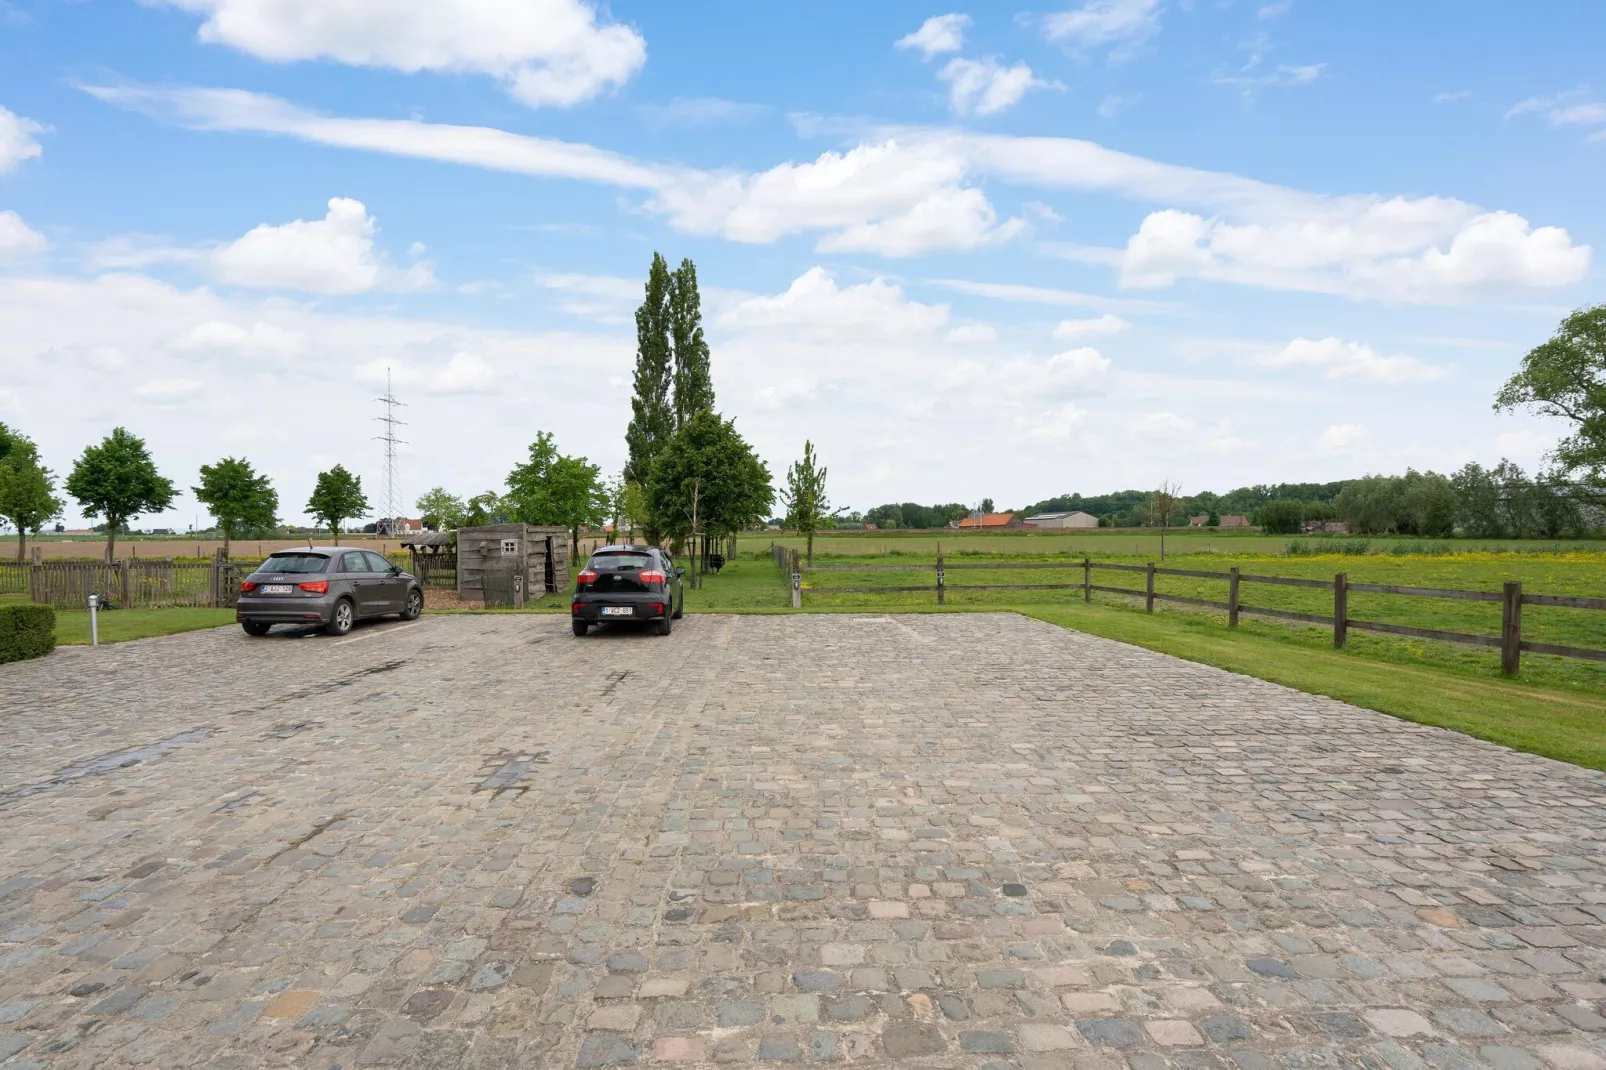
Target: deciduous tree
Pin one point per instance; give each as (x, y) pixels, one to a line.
(652, 414)
(1566, 377)
(550, 488)
(440, 511)
(807, 506)
(337, 497)
(118, 480)
(238, 496)
(27, 488)
(694, 377)
(707, 481)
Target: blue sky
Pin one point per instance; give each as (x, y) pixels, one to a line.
(973, 251)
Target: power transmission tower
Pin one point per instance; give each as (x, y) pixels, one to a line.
(392, 499)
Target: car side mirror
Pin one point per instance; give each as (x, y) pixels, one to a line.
(680, 570)
(395, 570)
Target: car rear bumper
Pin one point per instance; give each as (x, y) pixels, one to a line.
(283, 609)
(642, 606)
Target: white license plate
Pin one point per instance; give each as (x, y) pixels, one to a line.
(276, 588)
(618, 611)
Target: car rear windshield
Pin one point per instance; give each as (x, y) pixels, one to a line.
(294, 563)
(620, 562)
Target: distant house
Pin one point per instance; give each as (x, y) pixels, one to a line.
(397, 526)
(1062, 520)
(869, 526)
(1228, 520)
(1199, 521)
(990, 522)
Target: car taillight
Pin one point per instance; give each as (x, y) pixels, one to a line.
(247, 586)
(650, 575)
(316, 586)
(587, 576)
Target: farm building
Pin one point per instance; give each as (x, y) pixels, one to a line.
(489, 559)
(1231, 521)
(1062, 520)
(990, 522)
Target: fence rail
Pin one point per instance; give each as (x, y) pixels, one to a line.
(1511, 597)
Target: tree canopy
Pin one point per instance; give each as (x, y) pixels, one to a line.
(807, 506)
(118, 480)
(550, 488)
(241, 499)
(439, 510)
(694, 376)
(1566, 377)
(27, 488)
(707, 467)
(652, 415)
(337, 497)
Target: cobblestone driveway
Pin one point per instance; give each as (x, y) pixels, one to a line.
(959, 841)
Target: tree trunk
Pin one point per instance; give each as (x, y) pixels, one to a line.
(334, 531)
(111, 537)
(22, 543)
(811, 548)
(225, 543)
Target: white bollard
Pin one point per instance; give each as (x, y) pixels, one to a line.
(94, 630)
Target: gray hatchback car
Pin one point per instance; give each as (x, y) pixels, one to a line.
(330, 586)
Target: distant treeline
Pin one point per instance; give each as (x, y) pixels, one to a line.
(1487, 503)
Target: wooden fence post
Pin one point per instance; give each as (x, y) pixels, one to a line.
(1087, 579)
(1232, 598)
(797, 582)
(1148, 601)
(1340, 610)
(124, 581)
(941, 576)
(1511, 628)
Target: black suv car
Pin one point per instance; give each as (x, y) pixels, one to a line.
(628, 583)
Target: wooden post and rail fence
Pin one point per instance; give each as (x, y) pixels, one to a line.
(1511, 597)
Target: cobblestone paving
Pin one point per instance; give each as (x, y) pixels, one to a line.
(961, 841)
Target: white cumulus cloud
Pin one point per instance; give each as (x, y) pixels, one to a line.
(1426, 249)
(986, 87)
(546, 52)
(814, 304)
(18, 140)
(17, 238)
(1339, 359)
(938, 34)
(332, 255)
(465, 373)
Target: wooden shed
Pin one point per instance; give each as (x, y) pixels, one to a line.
(489, 557)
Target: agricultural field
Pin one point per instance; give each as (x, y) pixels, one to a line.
(1145, 543)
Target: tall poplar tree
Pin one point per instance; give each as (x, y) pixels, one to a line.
(652, 417)
(694, 379)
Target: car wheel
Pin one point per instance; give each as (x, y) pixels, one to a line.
(255, 627)
(665, 623)
(343, 617)
(415, 604)
(580, 627)
(680, 607)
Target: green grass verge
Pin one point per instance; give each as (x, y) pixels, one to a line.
(1565, 725)
(121, 625)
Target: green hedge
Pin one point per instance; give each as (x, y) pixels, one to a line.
(26, 632)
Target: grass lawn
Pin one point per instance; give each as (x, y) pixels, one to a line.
(120, 625)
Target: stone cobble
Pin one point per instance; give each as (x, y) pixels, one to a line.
(959, 841)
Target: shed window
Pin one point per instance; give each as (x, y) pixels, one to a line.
(510, 547)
